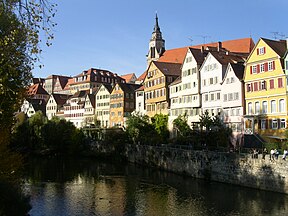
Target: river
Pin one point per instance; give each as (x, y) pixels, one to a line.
(71, 187)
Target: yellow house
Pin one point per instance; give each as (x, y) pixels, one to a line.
(159, 76)
(266, 90)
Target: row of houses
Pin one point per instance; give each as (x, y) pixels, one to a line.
(245, 84)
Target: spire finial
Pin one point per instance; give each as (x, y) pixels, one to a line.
(156, 27)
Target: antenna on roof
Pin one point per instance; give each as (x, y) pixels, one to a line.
(276, 34)
(191, 40)
(204, 38)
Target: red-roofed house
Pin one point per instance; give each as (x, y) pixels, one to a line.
(129, 78)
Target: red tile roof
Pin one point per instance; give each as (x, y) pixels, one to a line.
(142, 76)
(128, 77)
(243, 45)
(36, 89)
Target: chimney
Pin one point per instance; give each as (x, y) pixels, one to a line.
(219, 47)
(202, 49)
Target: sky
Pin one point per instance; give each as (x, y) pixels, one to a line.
(114, 35)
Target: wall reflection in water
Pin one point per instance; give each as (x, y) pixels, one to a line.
(89, 187)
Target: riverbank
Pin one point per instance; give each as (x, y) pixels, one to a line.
(232, 168)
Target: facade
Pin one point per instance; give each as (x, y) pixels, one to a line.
(185, 92)
(31, 106)
(74, 108)
(266, 90)
(140, 101)
(103, 105)
(212, 73)
(122, 103)
(54, 106)
(89, 110)
(159, 76)
(55, 83)
(93, 78)
(232, 100)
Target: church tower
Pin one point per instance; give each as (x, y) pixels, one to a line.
(156, 44)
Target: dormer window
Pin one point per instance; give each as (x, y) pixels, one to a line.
(261, 51)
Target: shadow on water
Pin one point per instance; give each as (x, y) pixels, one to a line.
(103, 188)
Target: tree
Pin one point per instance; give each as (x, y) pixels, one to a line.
(184, 132)
(160, 123)
(139, 129)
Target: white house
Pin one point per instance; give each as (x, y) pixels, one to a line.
(185, 91)
(232, 95)
(212, 73)
(74, 108)
(140, 101)
(55, 105)
(89, 109)
(102, 105)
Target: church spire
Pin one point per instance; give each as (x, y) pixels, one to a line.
(156, 44)
(156, 27)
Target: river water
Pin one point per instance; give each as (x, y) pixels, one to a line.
(71, 187)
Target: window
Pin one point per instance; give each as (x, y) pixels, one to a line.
(263, 124)
(281, 105)
(248, 86)
(232, 80)
(264, 107)
(263, 85)
(274, 124)
(262, 68)
(261, 51)
(273, 106)
(212, 97)
(206, 97)
(271, 84)
(218, 96)
(211, 81)
(230, 97)
(215, 80)
(250, 108)
(225, 97)
(271, 66)
(236, 95)
(254, 69)
(257, 107)
(280, 83)
(204, 82)
(282, 123)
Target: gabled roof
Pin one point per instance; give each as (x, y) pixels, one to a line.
(80, 94)
(60, 99)
(36, 89)
(177, 81)
(226, 58)
(63, 80)
(279, 47)
(109, 87)
(199, 55)
(37, 104)
(69, 82)
(243, 45)
(238, 70)
(92, 99)
(128, 77)
(172, 69)
(142, 76)
(128, 87)
(140, 89)
(174, 55)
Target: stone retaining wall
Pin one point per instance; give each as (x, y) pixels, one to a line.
(231, 168)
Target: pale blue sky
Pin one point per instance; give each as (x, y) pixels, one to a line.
(114, 34)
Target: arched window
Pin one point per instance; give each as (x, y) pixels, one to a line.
(281, 105)
(273, 106)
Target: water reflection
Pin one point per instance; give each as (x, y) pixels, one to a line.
(89, 187)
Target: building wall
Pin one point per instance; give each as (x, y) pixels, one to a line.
(140, 102)
(117, 107)
(51, 108)
(155, 89)
(211, 74)
(267, 119)
(103, 106)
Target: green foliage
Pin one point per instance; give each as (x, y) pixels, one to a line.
(214, 133)
(184, 132)
(139, 129)
(56, 135)
(160, 123)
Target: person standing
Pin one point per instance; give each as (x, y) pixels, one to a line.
(264, 152)
(272, 153)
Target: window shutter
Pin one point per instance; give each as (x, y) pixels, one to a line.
(278, 123)
(270, 124)
(251, 87)
(264, 48)
(266, 66)
(258, 68)
(273, 65)
(257, 51)
(266, 124)
(250, 69)
(247, 87)
(259, 85)
(255, 86)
